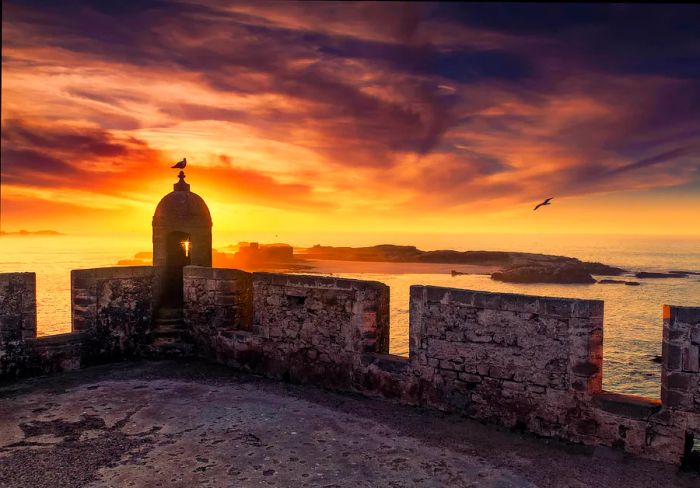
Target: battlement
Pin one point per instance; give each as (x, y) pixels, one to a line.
(525, 362)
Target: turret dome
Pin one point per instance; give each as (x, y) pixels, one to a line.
(181, 206)
(181, 231)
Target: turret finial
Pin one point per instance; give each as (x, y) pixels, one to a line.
(181, 185)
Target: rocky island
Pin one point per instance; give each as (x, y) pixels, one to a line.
(505, 266)
(512, 267)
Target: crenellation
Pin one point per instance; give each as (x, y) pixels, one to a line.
(525, 362)
(17, 321)
(114, 308)
(680, 373)
(56, 353)
(17, 306)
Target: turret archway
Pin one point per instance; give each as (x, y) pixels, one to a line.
(181, 236)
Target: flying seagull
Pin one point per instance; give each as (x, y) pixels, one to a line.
(546, 202)
(180, 164)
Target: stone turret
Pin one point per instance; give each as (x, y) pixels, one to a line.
(182, 216)
(181, 236)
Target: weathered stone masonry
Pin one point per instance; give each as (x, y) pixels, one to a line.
(217, 304)
(21, 352)
(300, 328)
(531, 363)
(113, 309)
(111, 318)
(680, 387)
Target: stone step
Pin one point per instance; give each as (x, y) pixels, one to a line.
(169, 322)
(163, 333)
(170, 325)
(176, 349)
(172, 349)
(164, 340)
(170, 313)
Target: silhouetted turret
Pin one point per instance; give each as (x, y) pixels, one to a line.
(181, 236)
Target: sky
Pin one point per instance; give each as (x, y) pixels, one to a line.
(353, 117)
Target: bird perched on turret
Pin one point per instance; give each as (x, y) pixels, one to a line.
(180, 164)
(546, 202)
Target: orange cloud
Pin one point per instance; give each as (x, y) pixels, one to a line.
(340, 116)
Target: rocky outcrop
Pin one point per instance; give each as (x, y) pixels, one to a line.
(411, 254)
(561, 274)
(619, 282)
(647, 274)
(601, 269)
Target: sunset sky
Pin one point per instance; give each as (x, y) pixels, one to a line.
(352, 117)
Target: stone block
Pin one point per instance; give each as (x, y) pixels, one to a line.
(588, 308)
(695, 335)
(10, 328)
(522, 303)
(676, 398)
(682, 316)
(558, 307)
(585, 368)
(462, 297)
(492, 301)
(390, 363)
(630, 406)
(681, 381)
(437, 294)
(691, 359)
(441, 349)
(673, 357)
(501, 372)
(470, 378)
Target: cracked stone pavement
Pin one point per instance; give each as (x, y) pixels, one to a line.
(175, 423)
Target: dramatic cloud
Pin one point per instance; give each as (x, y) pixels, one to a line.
(352, 106)
(92, 159)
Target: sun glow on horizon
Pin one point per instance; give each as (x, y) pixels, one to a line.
(352, 129)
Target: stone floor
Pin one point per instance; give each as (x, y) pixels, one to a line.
(192, 424)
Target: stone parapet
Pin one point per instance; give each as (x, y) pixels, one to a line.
(680, 371)
(111, 315)
(216, 303)
(114, 308)
(17, 320)
(300, 328)
(525, 362)
(17, 306)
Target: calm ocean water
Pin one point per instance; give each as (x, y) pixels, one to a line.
(633, 320)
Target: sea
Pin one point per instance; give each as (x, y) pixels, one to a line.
(633, 314)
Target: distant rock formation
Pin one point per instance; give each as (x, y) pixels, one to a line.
(619, 282)
(647, 274)
(538, 273)
(411, 254)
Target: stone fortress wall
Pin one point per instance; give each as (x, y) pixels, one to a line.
(111, 318)
(524, 362)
